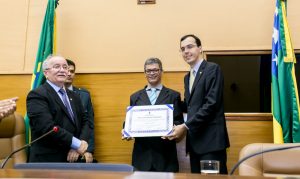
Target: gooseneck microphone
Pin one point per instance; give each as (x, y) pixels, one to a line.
(258, 153)
(55, 130)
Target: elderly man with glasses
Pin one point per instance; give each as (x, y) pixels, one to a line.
(52, 105)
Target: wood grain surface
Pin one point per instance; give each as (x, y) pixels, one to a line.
(110, 96)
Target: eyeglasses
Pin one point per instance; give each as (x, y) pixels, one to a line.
(188, 47)
(152, 71)
(58, 67)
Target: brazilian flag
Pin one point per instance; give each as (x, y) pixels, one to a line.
(46, 47)
(285, 99)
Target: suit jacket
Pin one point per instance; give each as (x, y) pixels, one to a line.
(205, 110)
(88, 108)
(45, 110)
(154, 152)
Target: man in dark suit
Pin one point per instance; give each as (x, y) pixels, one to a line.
(52, 105)
(88, 108)
(207, 137)
(154, 153)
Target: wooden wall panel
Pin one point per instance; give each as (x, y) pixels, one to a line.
(15, 85)
(245, 130)
(110, 96)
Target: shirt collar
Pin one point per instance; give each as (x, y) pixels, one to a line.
(159, 87)
(56, 88)
(197, 65)
(71, 87)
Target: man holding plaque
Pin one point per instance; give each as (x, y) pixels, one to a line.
(207, 137)
(154, 153)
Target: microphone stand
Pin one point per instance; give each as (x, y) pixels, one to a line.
(55, 129)
(258, 153)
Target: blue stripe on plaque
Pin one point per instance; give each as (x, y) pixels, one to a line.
(129, 108)
(126, 134)
(170, 106)
(170, 132)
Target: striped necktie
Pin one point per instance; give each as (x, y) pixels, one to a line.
(152, 96)
(192, 79)
(66, 102)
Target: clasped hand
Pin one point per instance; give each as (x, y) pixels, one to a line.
(7, 106)
(83, 147)
(74, 154)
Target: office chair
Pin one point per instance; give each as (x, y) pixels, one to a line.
(12, 137)
(274, 164)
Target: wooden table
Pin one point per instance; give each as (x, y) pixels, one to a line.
(18, 173)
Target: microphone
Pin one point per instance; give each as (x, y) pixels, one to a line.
(258, 153)
(55, 130)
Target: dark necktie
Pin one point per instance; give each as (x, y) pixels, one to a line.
(66, 102)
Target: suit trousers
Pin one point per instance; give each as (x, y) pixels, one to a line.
(195, 159)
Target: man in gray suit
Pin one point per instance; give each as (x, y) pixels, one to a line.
(88, 108)
(155, 153)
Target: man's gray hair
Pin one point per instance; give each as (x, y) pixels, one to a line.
(153, 60)
(46, 62)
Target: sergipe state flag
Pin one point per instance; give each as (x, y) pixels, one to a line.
(285, 99)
